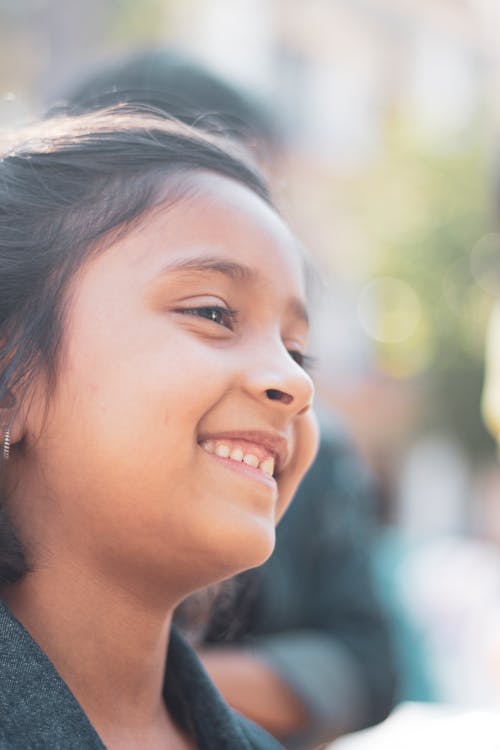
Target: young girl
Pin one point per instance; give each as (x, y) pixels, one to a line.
(155, 420)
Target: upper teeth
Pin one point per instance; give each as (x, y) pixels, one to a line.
(238, 454)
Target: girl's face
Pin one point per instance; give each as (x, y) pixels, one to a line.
(181, 422)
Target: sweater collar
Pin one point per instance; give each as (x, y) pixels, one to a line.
(38, 710)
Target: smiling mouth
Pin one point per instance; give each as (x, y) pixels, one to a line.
(240, 452)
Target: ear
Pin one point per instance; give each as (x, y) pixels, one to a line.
(15, 402)
(8, 407)
(12, 417)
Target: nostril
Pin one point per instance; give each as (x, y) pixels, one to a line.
(274, 394)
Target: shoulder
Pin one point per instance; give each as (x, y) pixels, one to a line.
(37, 709)
(194, 701)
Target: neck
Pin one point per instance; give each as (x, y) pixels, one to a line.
(107, 644)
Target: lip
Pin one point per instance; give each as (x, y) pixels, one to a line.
(248, 471)
(274, 443)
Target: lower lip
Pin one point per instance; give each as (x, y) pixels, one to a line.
(246, 470)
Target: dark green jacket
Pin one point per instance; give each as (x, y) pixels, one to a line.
(38, 711)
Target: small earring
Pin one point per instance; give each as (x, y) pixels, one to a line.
(6, 444)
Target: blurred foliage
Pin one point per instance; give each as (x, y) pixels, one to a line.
(426, 209)
(132, 21)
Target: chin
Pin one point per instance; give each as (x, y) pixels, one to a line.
(262, 549)
(247, 549)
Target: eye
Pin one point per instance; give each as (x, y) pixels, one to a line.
(303, 360)
(221, 316)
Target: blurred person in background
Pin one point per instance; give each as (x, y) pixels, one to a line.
(302, 646)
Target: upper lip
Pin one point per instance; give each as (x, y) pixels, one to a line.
(277, 445)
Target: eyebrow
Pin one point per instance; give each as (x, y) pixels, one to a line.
(231, 269)
(235, 271)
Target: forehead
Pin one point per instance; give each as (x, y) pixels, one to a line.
(187, 243)
(219, 217)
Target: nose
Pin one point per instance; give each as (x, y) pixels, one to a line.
(275, 377)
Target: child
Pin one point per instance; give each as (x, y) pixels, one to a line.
(155, 418)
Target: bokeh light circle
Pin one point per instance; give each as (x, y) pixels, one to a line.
(485, 263)
(389, 309)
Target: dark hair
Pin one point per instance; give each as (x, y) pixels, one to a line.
(175, 85)
(67, 187)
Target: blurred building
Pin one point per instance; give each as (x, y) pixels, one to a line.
(335, 68)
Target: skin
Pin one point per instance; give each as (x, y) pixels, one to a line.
(124, 511)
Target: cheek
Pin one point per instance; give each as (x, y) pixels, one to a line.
(131, 426)
(306, 442)
(162, 374)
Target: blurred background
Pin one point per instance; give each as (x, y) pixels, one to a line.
(389, 111)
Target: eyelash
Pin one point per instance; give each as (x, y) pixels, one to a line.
(303, 360)
(227, 319)
(227, 316)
